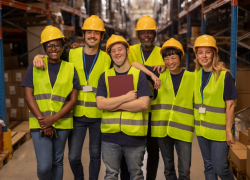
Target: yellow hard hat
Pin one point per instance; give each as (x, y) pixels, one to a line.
(205, 41)
(172, 43)
(50, 33)
(146, 23)
(115, 39)
(93, 23)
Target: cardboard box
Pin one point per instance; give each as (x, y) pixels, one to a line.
(21, 89)
(243, 83)
(248, 162)
(247, 178)
(243, 137)
(10, 62)
(7, 49)
(7, 76)
(15, 114)
(11, 89)
(25, 114)
(236, 146)
(243, 101)
(10, 102)
(19, 102)
(239, 158)
(18, 75)
(195, 31)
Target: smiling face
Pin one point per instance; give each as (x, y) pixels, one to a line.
(146, 37)
(205, 56)
(54, 49)
(92, 38)
(118, 53)
(172, 62)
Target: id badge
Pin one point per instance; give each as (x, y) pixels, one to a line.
(202, 110)
(87, 89)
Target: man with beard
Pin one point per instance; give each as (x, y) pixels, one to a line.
(123, 132)
(148, 54)
(90, 63)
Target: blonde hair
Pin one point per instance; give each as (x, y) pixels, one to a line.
(216, 64)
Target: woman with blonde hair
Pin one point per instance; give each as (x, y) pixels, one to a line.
(214, 103)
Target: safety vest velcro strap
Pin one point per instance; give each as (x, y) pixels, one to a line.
(197, 123)
(93, 89)
(183, 110)
(210, 125)
(49, 113)
(159, 123)
(42, 96)
(211, 109)
(125, 122)
(161, 106)
(48, 96)
(181, 126)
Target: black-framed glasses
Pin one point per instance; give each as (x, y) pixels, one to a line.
(56, 46)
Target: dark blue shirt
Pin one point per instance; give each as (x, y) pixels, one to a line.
(176, 80)
(142, 90)
(53, 70)
(146, 54)
(89, 59)
(230, 92)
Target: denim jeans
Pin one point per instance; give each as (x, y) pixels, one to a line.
(49, 155)
(76, 140)
(152, 160)
(183, 150)
(214, 155)
(112, 155)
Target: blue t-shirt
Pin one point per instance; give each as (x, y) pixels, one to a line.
(53, 71)
(89, 59)
(143, 89)
(230, 92)
(146, 54)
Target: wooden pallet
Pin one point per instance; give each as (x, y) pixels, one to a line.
(240, 175)
(4, 158)
(18, 139)
(23, 127)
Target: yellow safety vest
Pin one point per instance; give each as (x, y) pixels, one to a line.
(212, 124)
(174, 115)
(130, 123)
(51, 100)
(136, 55)
(86, 101)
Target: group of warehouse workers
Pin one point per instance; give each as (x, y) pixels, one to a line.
(67, 92)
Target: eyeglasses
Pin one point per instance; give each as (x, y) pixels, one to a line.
(56, 46)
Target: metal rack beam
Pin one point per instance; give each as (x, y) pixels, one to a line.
(190, 8)
(215, 5)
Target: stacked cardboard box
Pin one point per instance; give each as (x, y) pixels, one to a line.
(240, 153)
(16, 107)
(1, 138)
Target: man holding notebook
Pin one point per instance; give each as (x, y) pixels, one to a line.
(124, 120)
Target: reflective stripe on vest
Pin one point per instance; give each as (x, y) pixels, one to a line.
(86, 101)
(130, 123)
(51, 100)
(212, 124)
(174, 115)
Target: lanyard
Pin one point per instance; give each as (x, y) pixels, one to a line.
(142, 57)
(205, 84)
(85, 67)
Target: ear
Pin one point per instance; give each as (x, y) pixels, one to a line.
(102, 36)
(83, 35)
(127, 50)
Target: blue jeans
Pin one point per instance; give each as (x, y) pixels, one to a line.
(214, 155)
(183, 149)
(76, 140)
(112, 155)
(49, 155)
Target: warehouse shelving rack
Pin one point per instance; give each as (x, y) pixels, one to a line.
(24, 6)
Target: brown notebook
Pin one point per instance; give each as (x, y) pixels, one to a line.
(120, 85)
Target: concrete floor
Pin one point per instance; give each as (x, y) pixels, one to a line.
(23, 164)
